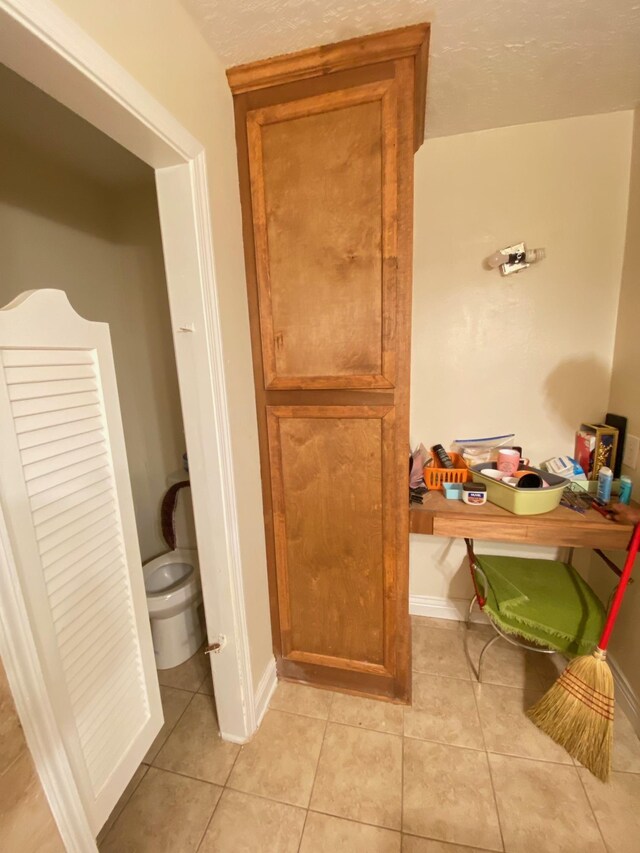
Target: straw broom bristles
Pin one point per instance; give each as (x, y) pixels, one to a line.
(577, 712)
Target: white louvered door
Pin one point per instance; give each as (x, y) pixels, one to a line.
(66, 500)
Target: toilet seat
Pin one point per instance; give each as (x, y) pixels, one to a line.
(172, 582)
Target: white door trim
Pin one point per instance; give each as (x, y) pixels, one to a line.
(43, 45)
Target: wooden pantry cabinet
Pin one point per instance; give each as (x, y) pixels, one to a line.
(326, 139)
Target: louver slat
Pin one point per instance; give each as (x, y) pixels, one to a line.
(49, 420)
(96, 630)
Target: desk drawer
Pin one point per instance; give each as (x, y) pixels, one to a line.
(491, 529)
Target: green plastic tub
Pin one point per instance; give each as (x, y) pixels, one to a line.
(522, 501)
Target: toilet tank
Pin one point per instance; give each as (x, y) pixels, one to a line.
(183, 519)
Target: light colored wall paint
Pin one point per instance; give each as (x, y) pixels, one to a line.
(625, 399)
(145, 361)
(57, 229)
(159, 44)
(530, 353)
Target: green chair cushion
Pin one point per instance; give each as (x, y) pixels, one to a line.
(544, 601)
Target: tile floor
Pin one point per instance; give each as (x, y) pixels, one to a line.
(463, 770)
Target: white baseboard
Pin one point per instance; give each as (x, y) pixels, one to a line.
(262, 696)
(443, 608)
(265, 689)
(626, 696)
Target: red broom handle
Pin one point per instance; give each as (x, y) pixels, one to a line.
(619, 594)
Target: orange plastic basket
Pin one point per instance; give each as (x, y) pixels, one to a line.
(435, 477)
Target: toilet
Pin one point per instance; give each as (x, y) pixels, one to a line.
(174, 593)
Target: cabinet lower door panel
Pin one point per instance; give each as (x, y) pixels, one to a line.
(332, 476)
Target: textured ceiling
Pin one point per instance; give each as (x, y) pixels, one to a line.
(492, 63)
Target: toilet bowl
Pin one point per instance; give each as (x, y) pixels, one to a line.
(174, 601)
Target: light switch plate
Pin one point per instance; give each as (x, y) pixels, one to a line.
(631, 448)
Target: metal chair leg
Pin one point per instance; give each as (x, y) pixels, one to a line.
(482, 653)
(466, 641)
(487, 645)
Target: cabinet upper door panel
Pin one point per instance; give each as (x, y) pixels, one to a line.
(324, 202)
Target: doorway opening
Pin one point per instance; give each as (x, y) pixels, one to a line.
(48, 49)
(79, 213)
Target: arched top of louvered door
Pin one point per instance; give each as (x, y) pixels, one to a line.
(66, 499)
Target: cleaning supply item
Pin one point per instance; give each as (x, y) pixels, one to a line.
(605, 480)
(577, 712)
(624, 495)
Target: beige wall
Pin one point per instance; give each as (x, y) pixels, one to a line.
(625, 399)
(158, 43)
(59, 229)
(26, 824)
(530, 353)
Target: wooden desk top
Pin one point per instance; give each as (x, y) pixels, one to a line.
(562, 527)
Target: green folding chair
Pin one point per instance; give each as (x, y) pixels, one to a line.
(544, 606)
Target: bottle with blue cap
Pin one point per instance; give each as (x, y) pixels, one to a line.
(624, 496)
(605, 480)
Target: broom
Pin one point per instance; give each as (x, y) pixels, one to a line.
(577, 712)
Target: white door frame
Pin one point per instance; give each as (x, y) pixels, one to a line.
(40, 43)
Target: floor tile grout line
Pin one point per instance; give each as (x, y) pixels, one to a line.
(206, 829)
(125, 804)
(359, 822)
(233, 790)
(529, 758)
(593, 811)
(315, 776)
(171, 730)
(495, 800)
(472, 680)
(433, 674)
(235, 761)
(493, 752)
(207, 675)
(486, 753)
(187, 776)
(151, 764)
(339, 723)
(173, 687)
(478, 714)
(299, 714)
(440, 841)
(297, 806)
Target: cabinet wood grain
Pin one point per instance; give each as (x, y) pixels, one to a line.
(325, 152)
